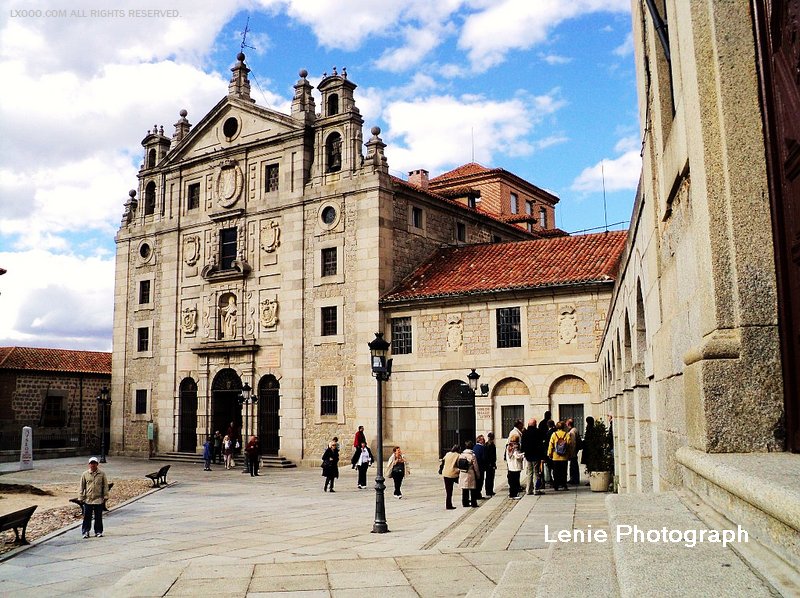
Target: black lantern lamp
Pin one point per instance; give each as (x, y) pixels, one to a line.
(245, 400)
(473, 378)
(103, 401)
(382, 370)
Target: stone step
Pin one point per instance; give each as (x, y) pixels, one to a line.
(273, 461)
(673, 567)
(586, 568)
(519, 579)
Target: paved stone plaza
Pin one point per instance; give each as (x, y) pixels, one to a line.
(222, 533)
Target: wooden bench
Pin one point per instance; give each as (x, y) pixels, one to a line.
(158, 476)
(16, 520)
(79, 502)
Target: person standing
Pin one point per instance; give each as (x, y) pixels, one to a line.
(93, 494)
(544, 437)
(490, 458)
(253, 450)
(359, 438)
(330, 465)
(574, 467)
(530, 448)
(397, 468)
(227, 450)
(479, 456)
(514, 459)
(468, 476)
(208, 454)
(588, 440)
(450, 474)
(362, 459)
(217, 448)
(559, 451)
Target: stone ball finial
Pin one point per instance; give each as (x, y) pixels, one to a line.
(375, 131)
(303, 73)
(183, 113)
(240, 57)
(132, 193)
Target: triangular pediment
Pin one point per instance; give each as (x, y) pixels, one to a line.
(232, 122)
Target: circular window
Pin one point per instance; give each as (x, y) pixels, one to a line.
(329, 215)
(144, 251)
(230, 127)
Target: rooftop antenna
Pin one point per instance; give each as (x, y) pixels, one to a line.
(244, 36)
(605, 212)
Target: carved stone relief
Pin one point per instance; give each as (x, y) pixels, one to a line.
(269, 313)
(227, 316)
(567, 325)
(250, 321)
(189, 320)
(228, 183)
(455, 332)
(270, 236)
(191, 249)
(207, 314)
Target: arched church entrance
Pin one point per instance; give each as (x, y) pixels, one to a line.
(269, 420)
(187, 429)
(456, 415)
(226, 390)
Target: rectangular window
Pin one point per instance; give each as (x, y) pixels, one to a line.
(328, 400)
(401, 335)
(329, 259)
(514, 203)
(53, 412)
(509, 414)
(529, 208)
(530, 227)
(193, 201)
(542, 217)
(141, 401)
(144, 292)
(227, 248)
(508, 328)
(271, 178)
(329, 321)
(497, 239)
(461, 232)
(472, 202)
(143, 339)
(416, 217)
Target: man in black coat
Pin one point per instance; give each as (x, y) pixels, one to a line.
(490, 460)
(532, 448)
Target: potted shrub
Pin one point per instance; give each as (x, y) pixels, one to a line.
(598, 457)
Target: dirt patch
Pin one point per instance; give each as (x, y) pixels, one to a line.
(54, 509)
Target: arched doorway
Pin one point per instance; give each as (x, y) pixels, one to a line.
(187, 430)
(225, 393)
(570, 397)
(269, 420)
(456, 415)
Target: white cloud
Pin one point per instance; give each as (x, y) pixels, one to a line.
(626, 48)
(554, 59)
(419, 42)
(440, 131)
(488, 35)
(620, 174)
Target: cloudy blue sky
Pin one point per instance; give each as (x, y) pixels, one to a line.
(543, 88)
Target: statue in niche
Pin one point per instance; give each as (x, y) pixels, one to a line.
(567, 325)
(189, 319)
(455, 332)
(228, 318)
(269, 313)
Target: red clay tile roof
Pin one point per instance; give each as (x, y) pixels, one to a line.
(55, 360)
(463, 170)
(520, 265)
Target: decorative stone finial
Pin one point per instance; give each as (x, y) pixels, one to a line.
(375, 131)
(344, 72)
(303, 73)
(183, 113)
(132, 193)
(334, 72)
(240, 57)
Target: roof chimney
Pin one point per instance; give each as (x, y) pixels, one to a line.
(419, 178)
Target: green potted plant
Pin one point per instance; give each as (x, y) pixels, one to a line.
(598, 457)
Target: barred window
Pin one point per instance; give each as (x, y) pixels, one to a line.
(329, 321)
(508, 328)
(509, 414)
(328, 400)
(141, 401)
(329, 259)
(143, 339)
(401, 335)
(271, 178)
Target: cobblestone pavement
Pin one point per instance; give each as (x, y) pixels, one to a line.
(223, 533)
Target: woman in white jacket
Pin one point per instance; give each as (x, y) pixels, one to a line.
(514, 460)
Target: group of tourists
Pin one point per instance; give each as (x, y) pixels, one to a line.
(397, 467)
(221, 449)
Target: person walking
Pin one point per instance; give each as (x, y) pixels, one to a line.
(359, 438)
(559, 451)
(362, 459)
(330, 465)
(397, 468)
(450, 474)
(208, 453)
(514, 459)
(468, 476)
(490, 459)
(93, 494)
(227, 450)
(253, 452)
(217, 448)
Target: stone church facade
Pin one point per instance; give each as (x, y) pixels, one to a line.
(256, 251)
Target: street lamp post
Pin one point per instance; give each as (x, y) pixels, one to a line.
(246, 399)
(382, 370)
(103, 401)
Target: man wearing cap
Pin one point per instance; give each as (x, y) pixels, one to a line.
(94, 492)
